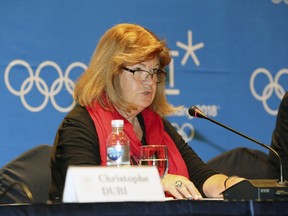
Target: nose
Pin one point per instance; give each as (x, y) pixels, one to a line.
(150, 79)
(152, 76)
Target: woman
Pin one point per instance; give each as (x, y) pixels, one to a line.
(125, 80)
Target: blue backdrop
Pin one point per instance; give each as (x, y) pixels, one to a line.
(230, 58)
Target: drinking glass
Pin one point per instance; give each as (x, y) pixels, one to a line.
(155, 155)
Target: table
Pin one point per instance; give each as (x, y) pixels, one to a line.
(175, 207)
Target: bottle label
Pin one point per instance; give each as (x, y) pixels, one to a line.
(113, 153)
(118, 155)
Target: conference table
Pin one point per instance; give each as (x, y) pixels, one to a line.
(172, 207)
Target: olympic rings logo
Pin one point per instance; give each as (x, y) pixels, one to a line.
(279, 1)
(186, 130)
(272, 86)
(41, 85)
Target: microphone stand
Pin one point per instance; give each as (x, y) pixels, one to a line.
(195, 112)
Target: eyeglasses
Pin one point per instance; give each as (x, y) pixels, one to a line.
(141, 75)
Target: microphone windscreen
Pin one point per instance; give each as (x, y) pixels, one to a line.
(192, 111)
(195, 112)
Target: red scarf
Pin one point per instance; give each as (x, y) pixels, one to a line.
(155, 134)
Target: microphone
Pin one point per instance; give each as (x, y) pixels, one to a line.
(197, 113)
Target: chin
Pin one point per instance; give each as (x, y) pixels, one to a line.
(143, 106)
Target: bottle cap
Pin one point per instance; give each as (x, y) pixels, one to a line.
(117, 123)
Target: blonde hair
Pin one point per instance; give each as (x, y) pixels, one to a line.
(122, 45)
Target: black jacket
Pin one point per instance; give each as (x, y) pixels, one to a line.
(279, 140)
(76, 143)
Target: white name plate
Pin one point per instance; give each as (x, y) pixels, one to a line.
(112, 184)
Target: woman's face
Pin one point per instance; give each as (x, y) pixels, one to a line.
(139, 92)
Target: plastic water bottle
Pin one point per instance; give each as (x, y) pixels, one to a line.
(118, 145)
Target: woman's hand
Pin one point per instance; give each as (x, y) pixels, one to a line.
(180, 187)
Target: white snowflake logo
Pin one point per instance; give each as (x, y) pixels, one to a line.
(190, 49)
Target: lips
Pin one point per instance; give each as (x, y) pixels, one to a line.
(147, 92)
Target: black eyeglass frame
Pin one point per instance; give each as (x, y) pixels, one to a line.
(159, 72)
